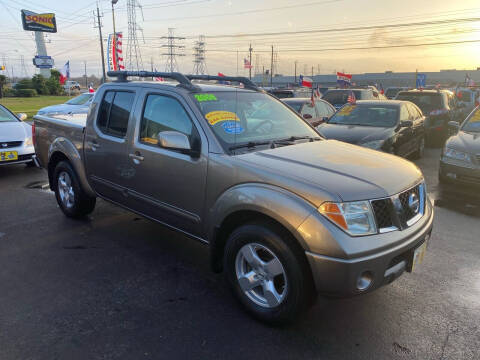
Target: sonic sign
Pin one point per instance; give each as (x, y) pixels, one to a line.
(39, 22)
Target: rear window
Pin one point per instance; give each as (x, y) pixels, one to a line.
(425, 101)
(114, 113)
(341, 96)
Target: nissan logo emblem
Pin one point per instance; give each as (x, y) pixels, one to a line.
(414, 203)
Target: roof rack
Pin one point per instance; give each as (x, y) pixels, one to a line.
(123, 75)
(247, 83)
(184, 80)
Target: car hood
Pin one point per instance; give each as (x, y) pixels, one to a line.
(354, 134)
(64, 109)
(14, 131)
(345, 171)
(463, 141)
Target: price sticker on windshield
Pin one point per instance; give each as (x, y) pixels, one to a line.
(476, 117)
(214, 117)
(346, 110)
(205, 97)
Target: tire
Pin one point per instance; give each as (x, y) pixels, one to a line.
(289, 293)
(420, 150)
(70, 196)
(30, 164)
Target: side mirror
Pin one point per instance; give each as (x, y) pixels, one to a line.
(406, 123)
(22, 116)
(307, 116)
(175, 140)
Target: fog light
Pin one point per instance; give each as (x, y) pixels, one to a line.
(364, 281)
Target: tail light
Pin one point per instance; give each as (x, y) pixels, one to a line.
(438, 112)
(34, 138)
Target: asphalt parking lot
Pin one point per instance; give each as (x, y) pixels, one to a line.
(117, 286)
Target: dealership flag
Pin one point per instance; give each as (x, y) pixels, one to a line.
(344, 80)
(65, 72)
(305, 81)
(247, 64)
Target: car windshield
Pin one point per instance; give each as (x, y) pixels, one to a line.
(6, 116)
(79, 100)
(340, 96)
(366, 115)
(473, 124)
(241, 117)
(425, 101)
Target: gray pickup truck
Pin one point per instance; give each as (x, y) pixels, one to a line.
(286, 214)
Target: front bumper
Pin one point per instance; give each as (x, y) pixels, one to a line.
(457, 172)
(340, 277)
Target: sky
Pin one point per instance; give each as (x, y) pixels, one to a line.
(322, 36)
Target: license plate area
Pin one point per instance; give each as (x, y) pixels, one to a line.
(8, 155)
(417, 254)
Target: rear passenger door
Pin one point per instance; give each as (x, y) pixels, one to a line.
(106, 145)
(168, 185)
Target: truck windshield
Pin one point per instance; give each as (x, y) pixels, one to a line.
(241, 117)
(6, 116)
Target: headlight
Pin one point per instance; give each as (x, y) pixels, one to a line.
(356, 218)
(457, 155)
(28, 141)
(377, 144)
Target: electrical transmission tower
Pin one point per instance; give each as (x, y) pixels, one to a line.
(24, 68)
(173, 50)
(199, 65)
(134, 57)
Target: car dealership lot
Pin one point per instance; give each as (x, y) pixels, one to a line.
(119, 286)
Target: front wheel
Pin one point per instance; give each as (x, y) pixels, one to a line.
(70, 196)
(267, 273)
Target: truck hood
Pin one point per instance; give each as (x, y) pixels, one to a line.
(14, 131)
(354, 134)
(346, 171)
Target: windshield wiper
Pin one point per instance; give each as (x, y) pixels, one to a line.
(250, 144)
(272, 143)
(292, 139)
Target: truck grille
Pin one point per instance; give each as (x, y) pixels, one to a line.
(400, 211)
(10, 144)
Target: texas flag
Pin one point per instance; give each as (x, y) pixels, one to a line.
(65, 73)
(305, 81)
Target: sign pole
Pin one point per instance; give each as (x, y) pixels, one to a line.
(42, 51)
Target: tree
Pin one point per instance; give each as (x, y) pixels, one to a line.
(40, 84)
(53, 83)
(3, 81)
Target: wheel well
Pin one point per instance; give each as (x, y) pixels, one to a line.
(52, 164)
(236, 219)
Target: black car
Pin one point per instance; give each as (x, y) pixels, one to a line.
(460, 159)
(315, 115)
(439, 107)
(290, 93)
(339, 97)
(391, 126)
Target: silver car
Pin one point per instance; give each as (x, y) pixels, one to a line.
(16, 143)
(77, 105)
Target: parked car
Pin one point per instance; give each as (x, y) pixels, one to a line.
(439, 107)
(283, 93)
(460, 159)
(467, 100)
(314, 114)
(391, 92)
(285, 213)
(71, 85)
(77, 105)
(339, 97)
(16, 145)
(396, 127)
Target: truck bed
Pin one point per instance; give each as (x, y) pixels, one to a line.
(55, 128)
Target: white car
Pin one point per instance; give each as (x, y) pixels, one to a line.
(16, 143)
(77, 105)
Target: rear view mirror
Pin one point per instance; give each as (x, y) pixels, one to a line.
(22, 116)
(406, 123)
(307, 116)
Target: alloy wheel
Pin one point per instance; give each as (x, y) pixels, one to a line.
(65, 190)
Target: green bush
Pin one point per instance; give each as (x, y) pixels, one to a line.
(40, 84)
(9, 92)
(53, 83)
(26, 92)
(24, 84)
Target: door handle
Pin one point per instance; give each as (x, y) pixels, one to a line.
(95, 145)
(137, 157)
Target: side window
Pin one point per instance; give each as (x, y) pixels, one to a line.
(404, 114)
(163, 113)
(114, 113)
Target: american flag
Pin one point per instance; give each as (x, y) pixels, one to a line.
(351, 98)
(247, 64)
(158, 78)
(317, 93)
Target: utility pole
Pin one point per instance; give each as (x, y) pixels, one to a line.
(296, 71)
(199, 65)
(99, 25)
(172, 50)
(250, 68)
(312, 72)
(237, 62)
(85, 73)
(271, 69)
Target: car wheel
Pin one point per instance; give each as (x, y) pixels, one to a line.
(267, 273)
(70, 196)
(420, 150)
(30, 164)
